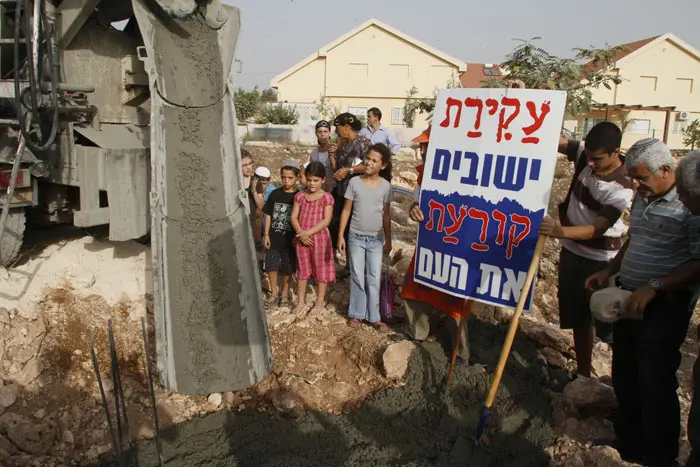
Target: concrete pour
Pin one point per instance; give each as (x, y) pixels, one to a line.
(416, 424)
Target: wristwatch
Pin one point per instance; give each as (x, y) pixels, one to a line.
(352, 170)
(655, 284)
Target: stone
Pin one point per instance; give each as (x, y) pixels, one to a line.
(546, 335)
(554, 358)
(589, 396)
(399, 215)
(7, 449)
(8, 395)
(286, 402)
(405, 154)
(395, 359)
(80, 277)
(281, 320)
(68, 437)
(31, 436)
(503, 315)
(409, 176)
(231, 399)
(600, 456)
(215, 399)
(602, 359)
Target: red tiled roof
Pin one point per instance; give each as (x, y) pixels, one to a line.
(474, 75)
(625, 51)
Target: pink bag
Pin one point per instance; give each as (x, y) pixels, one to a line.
(386, 297)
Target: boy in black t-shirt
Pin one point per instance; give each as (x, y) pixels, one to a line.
(280, 256)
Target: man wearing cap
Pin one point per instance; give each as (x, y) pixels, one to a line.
(376, 133)
(659, 264)
(320, 153)
(688, 187)
(419, 300)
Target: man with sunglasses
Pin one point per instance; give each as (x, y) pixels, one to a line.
(659, 264)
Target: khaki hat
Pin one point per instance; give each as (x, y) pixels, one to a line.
(608, 305)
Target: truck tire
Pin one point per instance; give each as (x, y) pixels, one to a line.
(12, 238)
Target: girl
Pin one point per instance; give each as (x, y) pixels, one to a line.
(368, 198)
(311, 215)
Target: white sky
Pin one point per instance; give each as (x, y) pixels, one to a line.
(275, 34)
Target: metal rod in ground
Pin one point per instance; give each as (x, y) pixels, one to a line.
(118, 384)
(115, 371)
(505, 351)
(466, 311)
(159, 447)
(105, 405)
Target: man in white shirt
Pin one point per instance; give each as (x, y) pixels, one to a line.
(375, 132)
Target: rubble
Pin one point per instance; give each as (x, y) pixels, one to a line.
(395, 359)
(590, 396)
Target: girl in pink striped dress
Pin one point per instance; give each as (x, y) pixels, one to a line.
(311, 215)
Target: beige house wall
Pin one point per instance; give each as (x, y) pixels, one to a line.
(372, 68)
(659, 74)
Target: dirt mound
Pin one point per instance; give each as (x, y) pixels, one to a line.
(415, 423)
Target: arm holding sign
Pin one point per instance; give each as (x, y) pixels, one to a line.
(551, 228)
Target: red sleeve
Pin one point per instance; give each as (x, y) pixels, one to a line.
(297, 197)
(420, 169)
(329, 199)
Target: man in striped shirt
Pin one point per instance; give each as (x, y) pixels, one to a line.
(659, 263)
(590, 230)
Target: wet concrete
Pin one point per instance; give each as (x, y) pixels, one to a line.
(415, 425)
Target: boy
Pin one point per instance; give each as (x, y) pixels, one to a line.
(278, 238)
(590, 230)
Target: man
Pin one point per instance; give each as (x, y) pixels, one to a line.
(688, 187)
(419, 300)
(590, 231)
(320, 153)
(659, 264)
(375, 132)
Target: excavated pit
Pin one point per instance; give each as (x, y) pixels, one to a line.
(416, 423)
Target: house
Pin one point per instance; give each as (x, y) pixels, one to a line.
(373, 65)
(658, 96)
(477, 73)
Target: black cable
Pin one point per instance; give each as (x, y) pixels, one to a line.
(35, 87)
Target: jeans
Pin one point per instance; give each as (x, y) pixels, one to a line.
(646, 356)
(365, 274)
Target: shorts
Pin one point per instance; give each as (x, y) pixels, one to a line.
(574, 298)
(284, 261)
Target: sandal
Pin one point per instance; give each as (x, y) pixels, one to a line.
(381, 327)
(286, 301)
(272, 300)
(354, 323)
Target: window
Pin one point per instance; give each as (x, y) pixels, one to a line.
(685, 84)
(641, 127)
(397, 115)
(650, 82)
(359, 112)
(678, 127)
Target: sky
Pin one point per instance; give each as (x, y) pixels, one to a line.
(276, 34)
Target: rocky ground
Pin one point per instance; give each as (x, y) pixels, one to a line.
(359, 390)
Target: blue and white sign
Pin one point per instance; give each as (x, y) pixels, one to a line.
(485, 189)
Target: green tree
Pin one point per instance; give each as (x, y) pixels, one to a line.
(411, 107)
(691, 135)
(268, 95)
(247, 103)
(326, 110)
(280, 114)
(578, 76)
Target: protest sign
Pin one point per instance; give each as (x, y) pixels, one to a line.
(486, 186)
